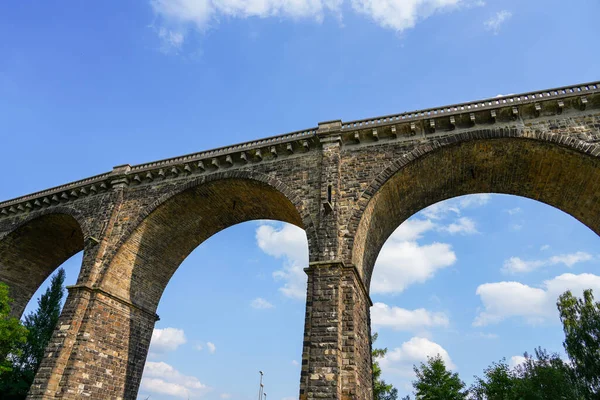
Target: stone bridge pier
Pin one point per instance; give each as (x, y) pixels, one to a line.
(349, 185)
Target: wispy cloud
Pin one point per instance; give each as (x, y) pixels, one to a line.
(211, 347)
(261, 304)
(484, 335)
(462, 226)
(515, 265)
(455, 206)
(495, 22)
(401, 15)
(178, 17)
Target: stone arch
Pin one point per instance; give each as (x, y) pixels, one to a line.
(35, 247)
(228, 198)
(555, 169)
(307, 221)
(167, 231)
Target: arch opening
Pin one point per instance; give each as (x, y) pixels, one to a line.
(476, 279)
(558, 176)
(35, 249)
(146, 261)
(243, 315)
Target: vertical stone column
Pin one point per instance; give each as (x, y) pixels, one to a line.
(98, 349)
(336, 359)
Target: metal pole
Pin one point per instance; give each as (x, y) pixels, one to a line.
(260, 388)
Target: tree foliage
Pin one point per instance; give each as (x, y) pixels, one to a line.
(543, 376)
(381, 390)
(539, 377)
(435, 382)
(40, 326)
(497, 384)
(581, 324)
(12, 333)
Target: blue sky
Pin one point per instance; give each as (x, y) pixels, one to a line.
(90, 85)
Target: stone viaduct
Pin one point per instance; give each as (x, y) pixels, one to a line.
(347, 184)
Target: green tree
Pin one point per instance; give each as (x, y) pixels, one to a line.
(545, 376)
(381, 390)
(498, 383)
(40, 326)
(435, 382)
(581, 324)
(12, 333)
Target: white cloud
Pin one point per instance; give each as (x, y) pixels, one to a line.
(516, 360)
(545, 247)
(162, 378)
(413, 229)
(495, 23)
(400, 15)
(211, 347)
(261, 304)
(474, 200)
(167, 339)
(177, 17)
(170, 38)
(484, 335)
(402, 263)
(516, 265)
(570, 259)
(199, 347)
(514, 211)
(455, 206)
(401, 319)
(289, 243)
(502, 300)
(295, 363)
(400, 360)
(225, 396)
(463, 226)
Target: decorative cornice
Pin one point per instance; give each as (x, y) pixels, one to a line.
(398, 127)
(502, 109)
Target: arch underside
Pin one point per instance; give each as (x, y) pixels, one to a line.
(144, 264)
(30, 253)
(555, 175)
